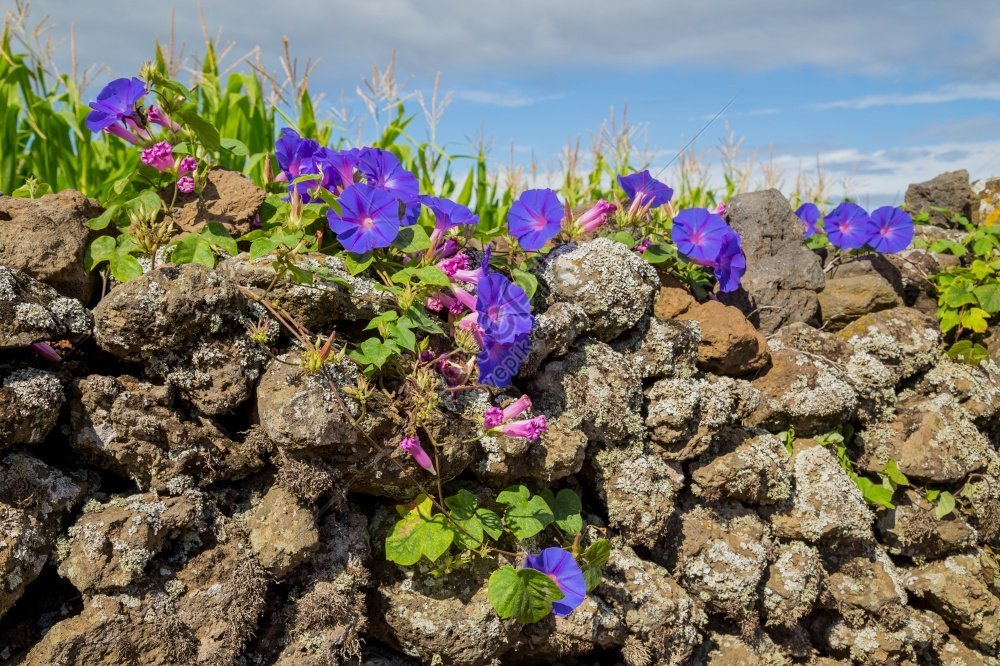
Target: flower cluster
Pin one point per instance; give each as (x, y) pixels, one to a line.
(500, 420)
(705, 238)
(850, 227)
(118, 111)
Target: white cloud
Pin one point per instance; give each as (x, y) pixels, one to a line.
(504, 99)
(529, 38)
(989, 91)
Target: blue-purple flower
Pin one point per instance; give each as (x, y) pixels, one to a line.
(809, 214)
(699, 234)
(731, 264)
(503, 309)
(369, 218)
(498, 363)
(115, 109)
(644, 190)
(891, 229)
(294, 154)
(560, 565)
(383, 170)
(535, 218)
(447, 213)
(848, 226)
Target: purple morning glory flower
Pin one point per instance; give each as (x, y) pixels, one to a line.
(383, 170)
(731, 264)
(447, 213)
(369, 218)
(115, 103)
(338, 166)
(809, 214)
(498, 363)
(535, 218)
(291, 149)
(503, 309)
(699, 235)
(891, 229)
(848, 226)
(642, 189)
(560, 565)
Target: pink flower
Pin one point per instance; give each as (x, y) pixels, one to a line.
(185, 184)
(721, 209)
(595, 217)
(452, 265)
(530, 429)
(464, 297)
(412, 446)
(46, 351)
(447, 248)
(516, 408)
(187, 165)
(160, 156)
(492, 417)
(453, 373)
(156, 116)
(642, 246)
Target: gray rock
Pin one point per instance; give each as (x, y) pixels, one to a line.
(188, 325)
(597, 387)
(950, 190)
(31, 311)
(783, 276)
(751, 466)
(283, 532)
(47, 238)
(30, 401)
(611, 283)
(902, 339)
(791, 584)
(664, 348)
(136, 429)
(552, 334)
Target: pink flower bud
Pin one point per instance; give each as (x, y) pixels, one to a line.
(412, 446)
(721, 209)
(156, 116)
(46, 351)
(516, 408)
(160, 156)
(492, 417)
(452, 265)
(187, 165)
(185, 184)
(464, 297)
(530, 429)
(596, 216)
(122, 133)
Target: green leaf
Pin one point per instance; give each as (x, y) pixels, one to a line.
(525, 594)
(192, 248)
(358, 263)
(875, 493)
(945, 505)
(656, 254)
(958, 294)
(102, 249)
(625, 238)
(526, 516)
(218, 236)
(989, 297)
(206, 131)
(104, 219)
(402, 336)
(932, 495)
(475, 520)
(235, 146)
(373, 352)
(566, 508)
(418, 534)
(125, 267)
(422, 320)
(144, 205)
(263, 246)
(892, 471)
(412, 239)
(594, 559)
(525, 280)
(432, 275)
(974, 319)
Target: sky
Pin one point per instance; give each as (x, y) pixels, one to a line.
(880, 93)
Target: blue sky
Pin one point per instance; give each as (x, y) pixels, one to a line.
(883, 93)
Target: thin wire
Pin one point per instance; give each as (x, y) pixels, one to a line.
(695, 137)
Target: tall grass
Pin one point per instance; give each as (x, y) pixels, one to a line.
(42, 132)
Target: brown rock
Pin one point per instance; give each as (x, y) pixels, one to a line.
(864, 586)
(283, 532)
(33, 499)
(958, 588)
(950, 190)
(845, 299)
(671, 302)
(755, 470)
(903, 339)
(135, 429)
(805, 392)
(791, 584)
(931, 439)
(987, 191)
(31, 311)
(30, 401)
(913, 530)
(730, 345)
(228, 197)
(111, 544)
(47, 238)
